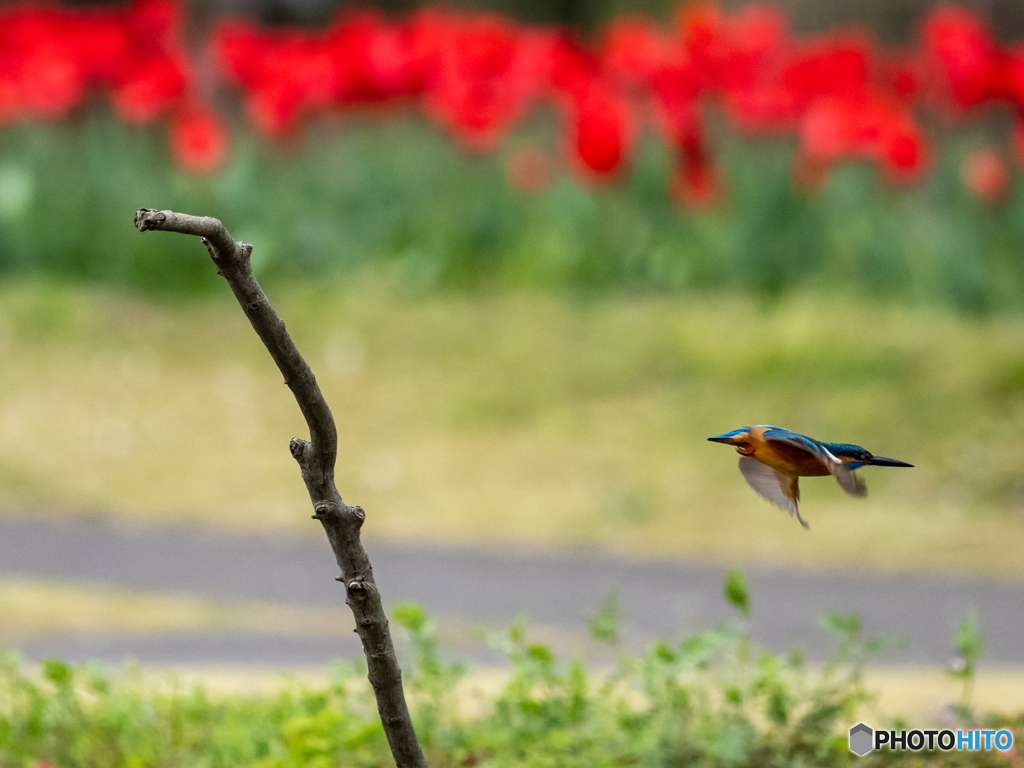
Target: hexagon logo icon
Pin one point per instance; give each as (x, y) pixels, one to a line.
(861, 739)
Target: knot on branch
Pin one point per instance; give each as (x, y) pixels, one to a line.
(326, 510)
(357, 589)
(214, 254)
(298, 448)
(148, 218)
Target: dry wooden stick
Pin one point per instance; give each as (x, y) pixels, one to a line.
(316, 459)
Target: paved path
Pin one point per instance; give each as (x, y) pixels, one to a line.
(557, 591)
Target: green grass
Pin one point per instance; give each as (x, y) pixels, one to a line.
(524, 418)
(714, 699)
(393, 191)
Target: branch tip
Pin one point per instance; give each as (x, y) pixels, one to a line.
(148, 218)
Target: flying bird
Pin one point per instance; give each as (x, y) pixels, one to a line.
(773, 460)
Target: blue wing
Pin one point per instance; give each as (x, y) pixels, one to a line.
(848, 481)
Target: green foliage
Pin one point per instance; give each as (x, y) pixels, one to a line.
(712, 700)
(736, 592)
(399, 196)
(604, 625)
(970, 644)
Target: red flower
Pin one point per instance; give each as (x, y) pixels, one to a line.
(156, 23)
(488, 74)
(51, 82)
(985, 173)
(702, 34)
(43, 75)
(695, 180)
(876, 128)
(198, 139)
(962, 57)
(101, 44)
(600, 129)
(378, 61)
(902, 150)
(633, 51)
(149, 89)
(284, 73)
(834, 67)
(754, 42)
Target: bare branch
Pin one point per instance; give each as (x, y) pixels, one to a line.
(316, 459)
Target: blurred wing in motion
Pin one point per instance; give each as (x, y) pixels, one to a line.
(848, 481)
(771, 486)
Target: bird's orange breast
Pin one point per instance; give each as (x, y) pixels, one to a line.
(786, 458)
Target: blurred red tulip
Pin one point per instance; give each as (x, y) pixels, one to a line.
(695, 180)
(600, 129)
(633, 50)
(198, 140)
(874, 128)
(841, 94)
(962, 57)
(489, 72)
(284, 73)
(902, 150)
(51, 82)
(149, 89)
(378, 60)
(985, 173)
(702, 36)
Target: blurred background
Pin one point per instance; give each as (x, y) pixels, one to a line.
(894, 21)
(536, 253)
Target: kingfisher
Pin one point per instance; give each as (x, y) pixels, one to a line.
(773, 460)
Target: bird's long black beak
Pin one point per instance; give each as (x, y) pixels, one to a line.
(730, 438)
(881, 461)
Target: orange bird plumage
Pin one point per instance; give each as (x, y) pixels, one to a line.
(773, 460)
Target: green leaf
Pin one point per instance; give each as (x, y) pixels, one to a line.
(736, 592)
(410, 615)
(57, 671)
(845, 625)
(969, 641)
(604, 625)
(778, 705)
(663, 652)
(540, 652)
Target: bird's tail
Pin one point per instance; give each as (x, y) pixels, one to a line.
(847, 480)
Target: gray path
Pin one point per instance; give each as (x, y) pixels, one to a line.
(658, 599)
